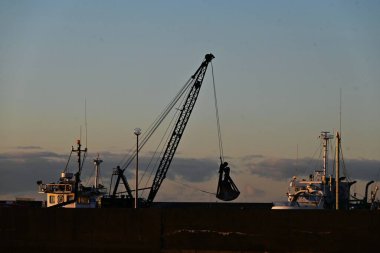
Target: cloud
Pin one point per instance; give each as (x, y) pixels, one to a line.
(20, 171)
(257, 177)
(28, 147)
(31, 156)
(363, 169)
(193, 170)
(253, 192)
(251, 157)
(283, 169)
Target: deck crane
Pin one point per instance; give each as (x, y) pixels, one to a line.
(193, 85)
(179, 128)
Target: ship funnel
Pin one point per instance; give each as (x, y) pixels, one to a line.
(227, 189)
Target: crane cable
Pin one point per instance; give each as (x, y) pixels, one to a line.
(156, 157)
(191, 187)
(179, 95)
(221, 157)
(153, 127)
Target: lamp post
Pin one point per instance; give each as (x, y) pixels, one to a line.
(137, 132)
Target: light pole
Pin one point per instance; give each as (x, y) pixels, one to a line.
(137, 133)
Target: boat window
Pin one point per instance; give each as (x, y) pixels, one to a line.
(70, 197)
(68, 188)
(52, 199)
(84, 200)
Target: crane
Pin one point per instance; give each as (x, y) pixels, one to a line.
(193, 86)
(179, 127)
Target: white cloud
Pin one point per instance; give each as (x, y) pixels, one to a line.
(259, 179)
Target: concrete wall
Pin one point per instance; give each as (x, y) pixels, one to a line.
(187, 230)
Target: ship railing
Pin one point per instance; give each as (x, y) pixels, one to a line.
(56, 188)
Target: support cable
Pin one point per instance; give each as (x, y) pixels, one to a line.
(67, 163)
(146, 135)
(221, 156)
(170, 127)
(192, 187)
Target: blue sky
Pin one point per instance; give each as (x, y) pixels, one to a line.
(279, 69)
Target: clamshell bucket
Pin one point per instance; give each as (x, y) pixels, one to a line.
(227, 189)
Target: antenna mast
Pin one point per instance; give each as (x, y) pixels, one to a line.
(340, 111)
(85, 119)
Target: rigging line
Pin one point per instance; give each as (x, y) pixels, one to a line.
(81, 166)
(344, 166)
(318, 161)
(154, 154)
(146, 135)
(171, 126)
(340, 112)
(158, 146)
(85, 118)
(68, 160)
(331, 152)
(88, 178)
(312, 159)
(334, 164)
(109, 192)
(157, 122)
(296, 156)
(217, 117)
(192, 187)
(150, 133)
(163, 115)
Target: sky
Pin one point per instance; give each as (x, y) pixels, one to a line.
(284, 72)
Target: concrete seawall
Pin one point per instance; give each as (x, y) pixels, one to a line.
(187, 230)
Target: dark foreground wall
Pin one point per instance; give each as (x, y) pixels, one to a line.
(187, 230)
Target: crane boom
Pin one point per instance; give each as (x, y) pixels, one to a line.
(179, 128)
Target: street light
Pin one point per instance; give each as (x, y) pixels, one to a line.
(137, 132)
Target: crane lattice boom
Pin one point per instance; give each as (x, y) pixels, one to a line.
(179, 128)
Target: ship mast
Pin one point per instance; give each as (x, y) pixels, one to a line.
(80, 166)
(325, 136)
(97, 162)
(79, 152)
(337, 153)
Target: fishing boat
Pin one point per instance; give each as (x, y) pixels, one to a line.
(68, 192)
(307, 196)
(320, 190)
